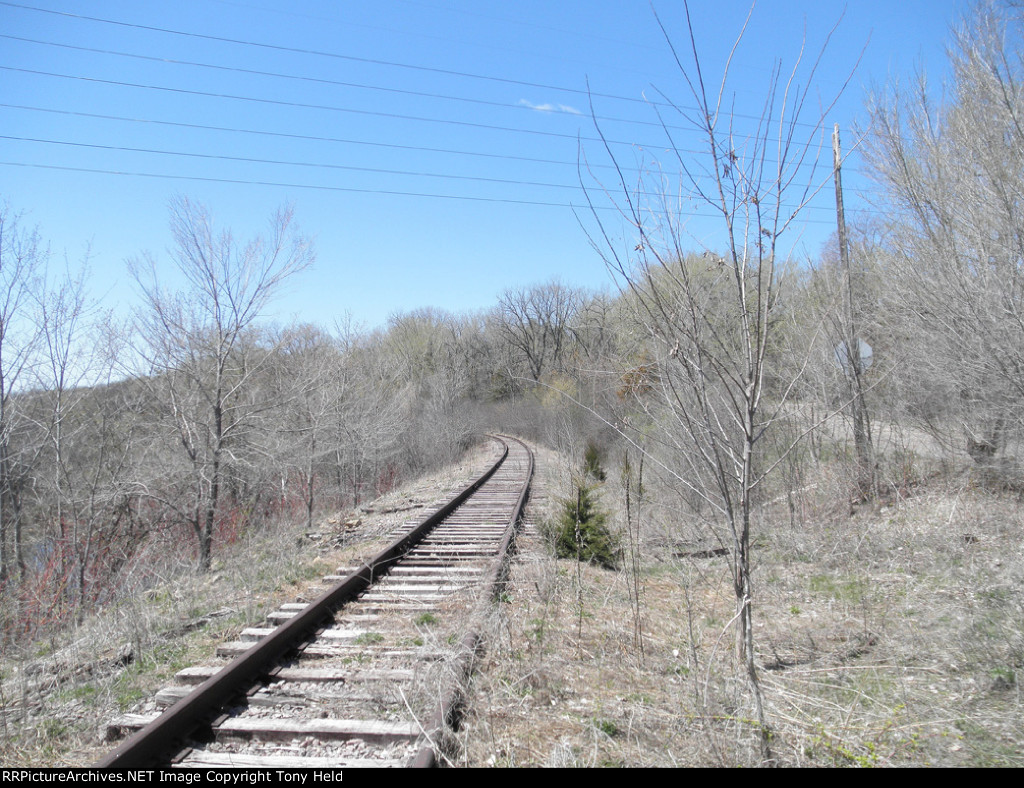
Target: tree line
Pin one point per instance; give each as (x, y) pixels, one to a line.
(194, 420)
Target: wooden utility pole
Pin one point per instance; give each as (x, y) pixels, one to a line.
(853, 366)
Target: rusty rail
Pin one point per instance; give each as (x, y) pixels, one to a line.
(446, 714)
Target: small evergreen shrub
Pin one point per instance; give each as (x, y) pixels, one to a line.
(591, 541)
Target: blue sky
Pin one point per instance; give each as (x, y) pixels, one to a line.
(430, 148)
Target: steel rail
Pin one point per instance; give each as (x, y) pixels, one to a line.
(151, 744)
(446, 713)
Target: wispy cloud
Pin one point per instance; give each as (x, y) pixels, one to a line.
(550, 107)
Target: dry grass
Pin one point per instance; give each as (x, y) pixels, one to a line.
(892, 635)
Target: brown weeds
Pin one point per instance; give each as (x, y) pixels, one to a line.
(888, 634)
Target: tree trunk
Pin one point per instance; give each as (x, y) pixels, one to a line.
(5, 557)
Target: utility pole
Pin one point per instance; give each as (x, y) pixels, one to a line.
(853, 366)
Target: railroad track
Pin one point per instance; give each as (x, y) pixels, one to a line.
(369, 673)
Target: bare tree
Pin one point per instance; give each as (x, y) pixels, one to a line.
(371, 410)
(537, 323)
(94, 459)
(22, 259)
(69, 361)
(953, 176)
(711, 313)
(200, 345)
(312, 382)
(58, 467)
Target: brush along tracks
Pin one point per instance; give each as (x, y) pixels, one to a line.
(366, 675)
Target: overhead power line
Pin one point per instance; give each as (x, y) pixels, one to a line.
(675, 148)
(336, 140)
(323, 107)
(335, 82)
(279, 184)
(318, 53)
(346, 189)
(292, 136)
(319, 165)
(314, 165)
(675, 106)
